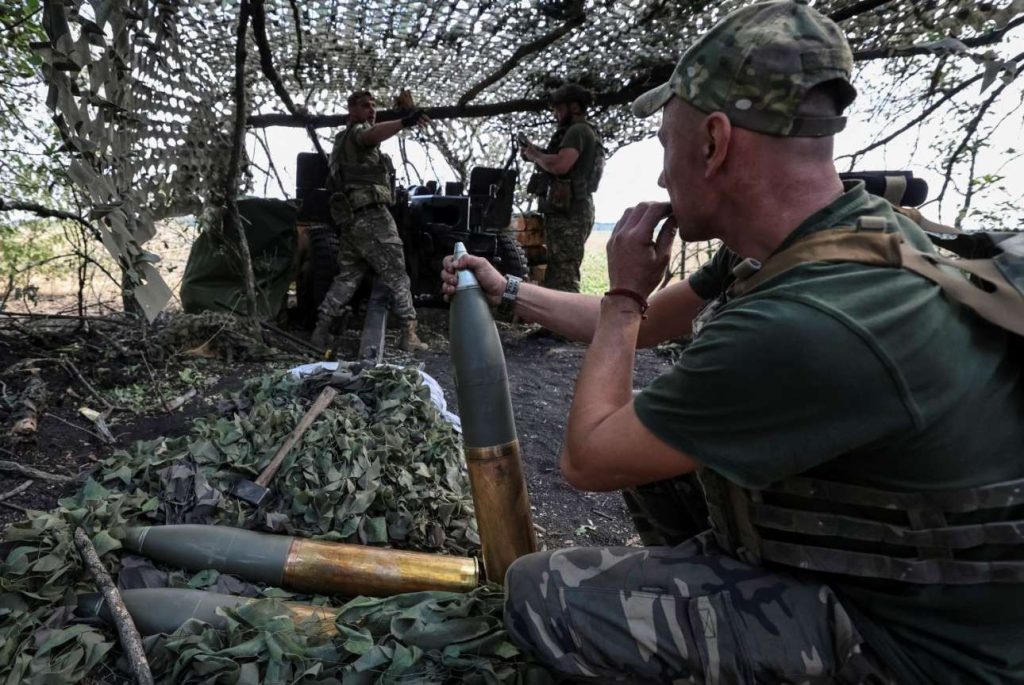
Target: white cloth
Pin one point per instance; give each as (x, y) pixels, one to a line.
(436, 392)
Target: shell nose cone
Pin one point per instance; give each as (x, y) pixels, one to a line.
(466, 277)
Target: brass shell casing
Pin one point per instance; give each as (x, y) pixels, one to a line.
(350, 570)
(502, 506)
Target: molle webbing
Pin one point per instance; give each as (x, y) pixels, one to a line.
(741, 518)
(999, 301)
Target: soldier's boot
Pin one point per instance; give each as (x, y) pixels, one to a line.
(322, 333)
(408, 341)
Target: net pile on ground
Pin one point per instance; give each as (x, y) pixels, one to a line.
(380, 466)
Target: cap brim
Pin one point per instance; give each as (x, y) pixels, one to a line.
(652, 101)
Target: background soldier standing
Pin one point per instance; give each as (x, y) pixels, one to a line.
(362, 190)
(568, 173)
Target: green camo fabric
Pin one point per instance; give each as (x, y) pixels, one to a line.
(380, 467)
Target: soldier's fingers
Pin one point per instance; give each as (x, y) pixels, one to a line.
(646, 218)
(472, 262)
(663, 243)
(623, 220)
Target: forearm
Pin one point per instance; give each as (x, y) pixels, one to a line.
(605, 383)
(378, 133)
(558, 163)
(574, 315)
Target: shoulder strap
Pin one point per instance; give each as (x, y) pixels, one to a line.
(844, 244)
(995, 291)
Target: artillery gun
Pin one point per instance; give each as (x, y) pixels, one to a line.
(430, 220)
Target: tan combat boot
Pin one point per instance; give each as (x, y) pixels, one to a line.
(408, 341)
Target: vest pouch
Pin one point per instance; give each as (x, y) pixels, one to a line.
(537, 185)
(559, 195)
(364, 174)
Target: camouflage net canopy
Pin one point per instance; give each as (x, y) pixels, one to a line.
(143, 90)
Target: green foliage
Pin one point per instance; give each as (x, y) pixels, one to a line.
(380, 452)
(27, 250)
(594, 269)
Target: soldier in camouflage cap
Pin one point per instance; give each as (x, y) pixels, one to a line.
(360, 178)
(863, 529)
(757, 67)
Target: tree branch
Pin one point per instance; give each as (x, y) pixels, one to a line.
(259, 30)
(231, 215)
(948, 95)
(856, 9)
(126, 630)
(969, 131)
(297, 69)
(46, 212)
(910, 50)
(630, 92)
(517, 56)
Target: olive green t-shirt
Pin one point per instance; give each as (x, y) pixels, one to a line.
(580, 136)
(869, 376)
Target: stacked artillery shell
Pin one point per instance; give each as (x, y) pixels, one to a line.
(164, 610)
(310, 565)
(488, 429)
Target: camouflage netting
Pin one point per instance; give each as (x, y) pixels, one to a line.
(142, 89)
(380, 466)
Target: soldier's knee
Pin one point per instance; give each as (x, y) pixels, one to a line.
(525, 572)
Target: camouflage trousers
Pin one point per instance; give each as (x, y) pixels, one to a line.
(689, 613)
(565, 236)
(370, 241)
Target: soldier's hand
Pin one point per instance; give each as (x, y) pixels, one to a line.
(415, 118)
(490, 280)
(636, 259)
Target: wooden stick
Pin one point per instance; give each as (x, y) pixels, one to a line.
(16, 491)
(75, 425)
(28, 471)
(126, 630)
(325, 398)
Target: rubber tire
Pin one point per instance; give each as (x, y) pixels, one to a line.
(320, 271)
(513, 258)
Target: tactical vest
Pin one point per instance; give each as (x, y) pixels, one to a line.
(767, 525)
(581, 186)
(362, 173)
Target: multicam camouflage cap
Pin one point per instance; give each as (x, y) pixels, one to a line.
(757, 64)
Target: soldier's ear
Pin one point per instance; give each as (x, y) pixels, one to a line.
(717, 132)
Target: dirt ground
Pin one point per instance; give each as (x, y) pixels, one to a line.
(542, 373)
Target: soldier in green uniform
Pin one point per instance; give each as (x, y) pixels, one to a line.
(568, 173)
(857, 433)
(362, 190)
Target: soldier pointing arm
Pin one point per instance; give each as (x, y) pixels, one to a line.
(361, 192)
